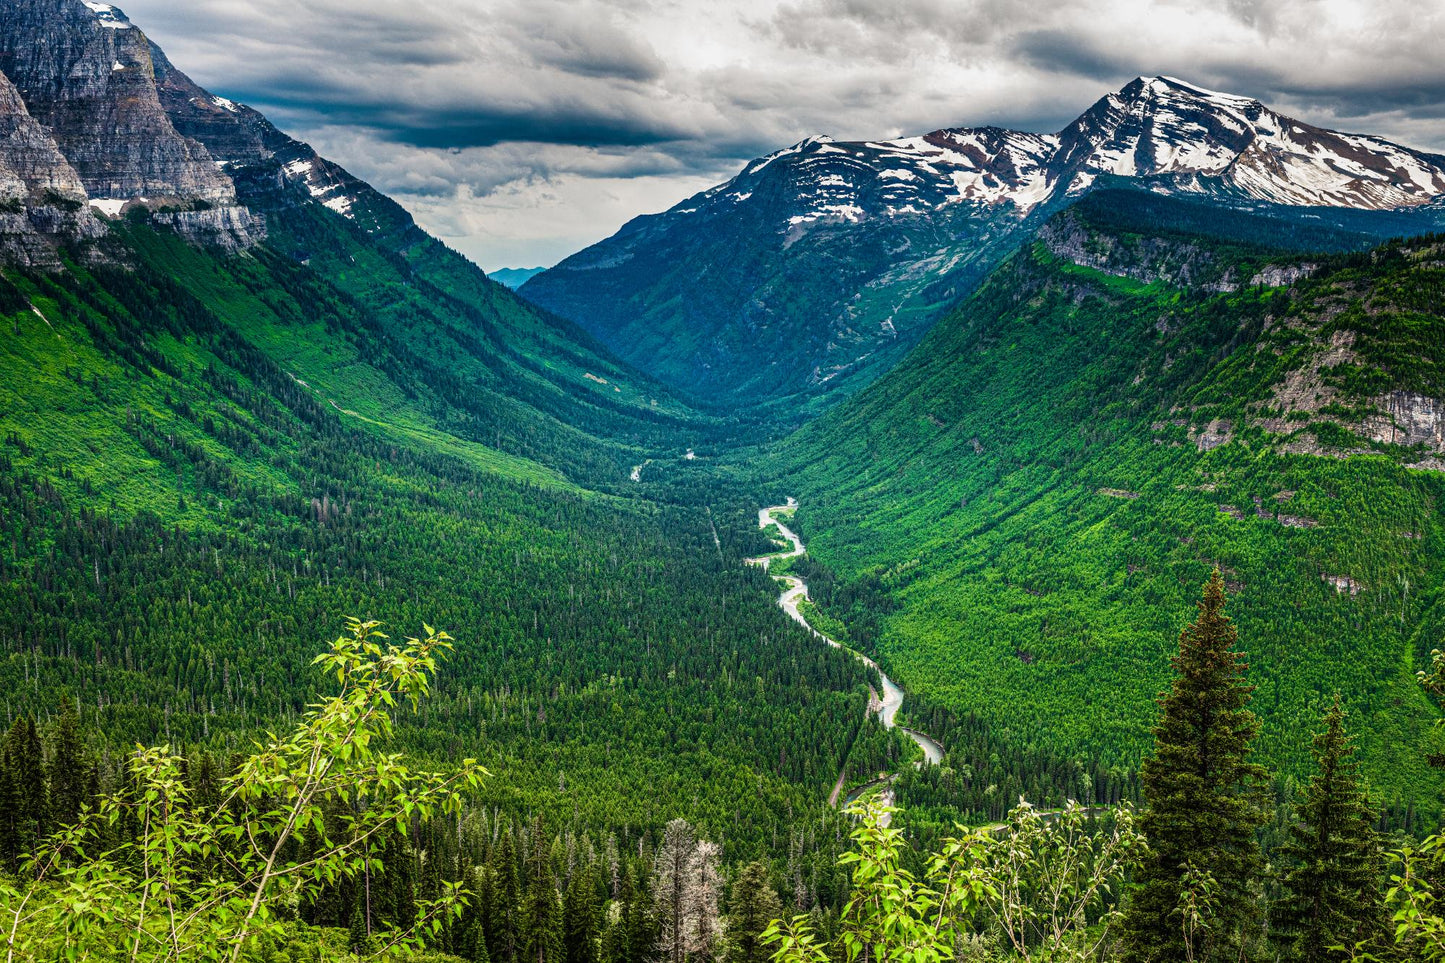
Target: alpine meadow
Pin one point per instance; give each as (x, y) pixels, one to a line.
(1018, 542)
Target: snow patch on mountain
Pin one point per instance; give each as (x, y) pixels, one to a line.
(1176, 136)
(107, 15)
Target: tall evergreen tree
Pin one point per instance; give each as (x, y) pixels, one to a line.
(542, 929)
(393, 894)
(486, 907)
(502, 941)
(1196, 896)
(9, 811)
(474, 944)
(27, 768)
(582, 917)
(357, 939)
(67, 767)
(752, 905)
(1331, 896)
(614, 929)
(641, 928)
(205, 788)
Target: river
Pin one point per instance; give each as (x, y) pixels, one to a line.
(886, 707)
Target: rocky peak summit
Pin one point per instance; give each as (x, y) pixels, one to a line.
(1173, 135)
(86, 74)
(94, 119)
(1196, 140)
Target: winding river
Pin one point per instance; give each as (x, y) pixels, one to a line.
(885, 707)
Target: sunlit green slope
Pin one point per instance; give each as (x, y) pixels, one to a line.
(206, 460)
(1027, 506)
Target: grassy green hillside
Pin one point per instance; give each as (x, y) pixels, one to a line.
(208, 460)
(1022, 513)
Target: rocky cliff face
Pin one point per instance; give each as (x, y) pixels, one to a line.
(1408, 418)
(96, 120)
(86, 75)
(41, 196)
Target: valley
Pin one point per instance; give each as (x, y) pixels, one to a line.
(357, 604)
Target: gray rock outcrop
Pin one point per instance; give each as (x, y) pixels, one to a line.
(86, 75)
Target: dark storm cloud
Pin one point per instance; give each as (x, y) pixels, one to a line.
(522, 129)
(1060, 52)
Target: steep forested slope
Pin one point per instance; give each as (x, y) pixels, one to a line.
(1027, 506)
(187, 516)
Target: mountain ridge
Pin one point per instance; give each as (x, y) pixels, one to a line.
(153, 147)
(1128, 402)
(869, 241)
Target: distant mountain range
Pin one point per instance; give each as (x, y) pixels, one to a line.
(816, 267)
(515, 277)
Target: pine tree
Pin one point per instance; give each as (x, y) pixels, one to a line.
(641, 929)
(503, 944)
(393, 893)
(752, 905)
(1331, 895)
(9, 812)
(542, 940)
(27, 769)
(1196, 896)
(358, 940)
(488, 909)
(614, 930)
(582, 916)
(205, 790)
(474, 946)
(67, 768)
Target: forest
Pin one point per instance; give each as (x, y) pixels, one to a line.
(613, 748)
(274, 856)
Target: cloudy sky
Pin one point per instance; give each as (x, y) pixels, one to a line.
(523, 130)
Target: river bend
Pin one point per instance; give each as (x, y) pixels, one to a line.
(795, 590)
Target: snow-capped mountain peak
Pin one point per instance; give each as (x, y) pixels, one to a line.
(827, 259)
(1190, 139)
(1174, 136)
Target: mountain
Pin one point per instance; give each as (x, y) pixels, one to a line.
(243, 395)
(42, 199)
(106, 131)
(85, 75)
(1018, 517)
(515, 277)
(816, 268)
